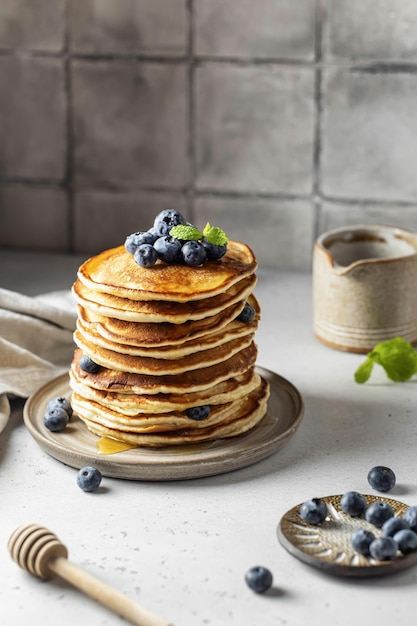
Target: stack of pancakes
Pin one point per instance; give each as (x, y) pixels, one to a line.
(167, 339)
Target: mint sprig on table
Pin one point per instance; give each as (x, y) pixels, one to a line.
(397, 356)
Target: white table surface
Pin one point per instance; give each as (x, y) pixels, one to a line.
(181, 549)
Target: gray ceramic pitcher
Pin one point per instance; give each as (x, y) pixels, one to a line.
(365, 286)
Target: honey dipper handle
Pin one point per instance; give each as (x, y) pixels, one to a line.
(104, 594)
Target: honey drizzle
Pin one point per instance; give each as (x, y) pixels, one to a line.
(106, 445)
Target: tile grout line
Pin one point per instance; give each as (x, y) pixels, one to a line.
(191, 159)
(356, 65)
(318, 110)
(69, 165)
(215, 193)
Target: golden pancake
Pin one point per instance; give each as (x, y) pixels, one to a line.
(116, 272)
(151, 311)
(245, 416)
(161, 422)
(132, 404)
(159, 367)
(163, 334)
(194, 380)
(233, 330)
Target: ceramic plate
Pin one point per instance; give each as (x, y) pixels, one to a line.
(327, 545)
(77, 447)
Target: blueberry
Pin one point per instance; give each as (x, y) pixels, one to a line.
(378, 513)
(381, 478)
(168, 249)
(410, 516)
(89, 478)
(313, 511)
(145, 255)
(247, 314)
(353, 503)
(135, 240)
(259, 579)
(55, 420)
(383, 549)
(88, 365)
(132, 242)
(393, 525)
(361, 539)
(193, 253)
(198, 413)
(406, 540)
(152, 231)
(60, 403)
(165, 220)
(214, 252)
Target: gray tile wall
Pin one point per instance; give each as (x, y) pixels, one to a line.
(274, 119)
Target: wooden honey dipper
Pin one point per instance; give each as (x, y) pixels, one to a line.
(40, 552)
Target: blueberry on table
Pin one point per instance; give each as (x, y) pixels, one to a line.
(259, 579)
(60, 403)
(145, 255)
(383, 549)
(410, 516)
(198, 413)
(88, 365)
(89, 478)
(381, 478)
(193, 253)
(313, 511)
(378, 513)
(361, 539)
(353, 503)
(167, 219)
(168, 249)
(406, 540)
(393, 525)
(55, 420)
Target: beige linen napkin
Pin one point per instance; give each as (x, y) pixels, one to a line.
(36, 342)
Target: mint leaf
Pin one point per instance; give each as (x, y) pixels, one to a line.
(364, 371)
(397, 357)
(186, 232)
(215, 235)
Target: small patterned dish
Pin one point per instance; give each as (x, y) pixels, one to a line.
(327, 546)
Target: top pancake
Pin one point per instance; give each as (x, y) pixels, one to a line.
(115, 272)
